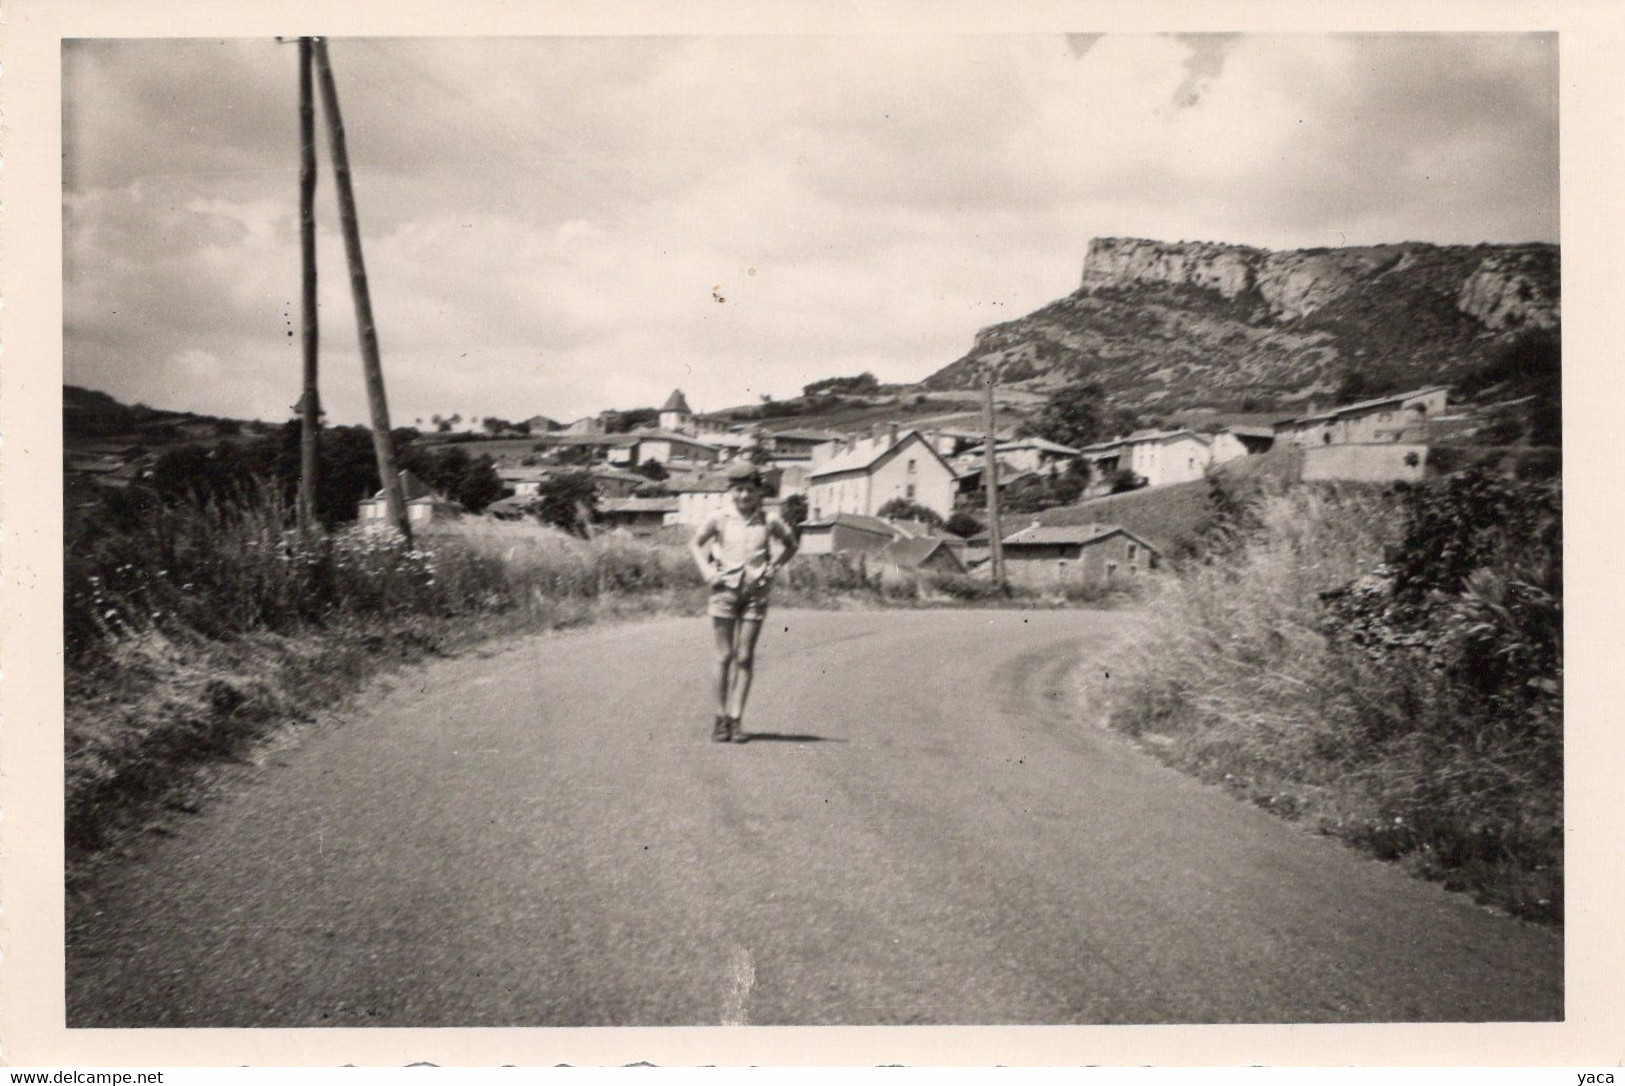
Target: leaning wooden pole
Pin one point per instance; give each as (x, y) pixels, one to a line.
(990, 479)
(370, 364)
(310, 409)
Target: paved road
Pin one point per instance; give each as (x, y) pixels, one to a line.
(543, 835)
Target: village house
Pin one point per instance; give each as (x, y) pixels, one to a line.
(797, 445)
(951, 443)
(1158, 457)
(866, 474)
(1033, 454)
(792, 477)
(598, 447)
(935, 554)
(664, 447)
(701, 494)
(639, 516)
(969, 477)
(728, 445)
(613, 482)
(522, 483)
(423, 505)
(906, 544)
(586, 427)
(677, 417)
(1402, 416)
(1234, 442)
(675, 413)
(1099, 554)
(847, 533)
(541, 424)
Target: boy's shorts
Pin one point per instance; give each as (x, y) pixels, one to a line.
(739, 603)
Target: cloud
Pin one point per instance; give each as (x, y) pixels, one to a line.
(1080, 44)
(1203, 65)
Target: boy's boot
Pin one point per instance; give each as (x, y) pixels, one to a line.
(719, 730)
(736, 731)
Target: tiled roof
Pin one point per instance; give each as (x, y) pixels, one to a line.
(865, 454)
(1061, 533)
(910, 553)
(697, 483)
(638, 505)
(412, 488)
(856, 520)
(1042, 444)
(676, 402)
(1144, 437)
(1250, 431)
(1367, 405)
(818, 436)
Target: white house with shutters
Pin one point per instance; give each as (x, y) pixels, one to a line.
(1160, 458)
(861, 476)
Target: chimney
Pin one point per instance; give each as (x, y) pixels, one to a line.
(891, 433)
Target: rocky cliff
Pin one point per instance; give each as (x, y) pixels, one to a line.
(1187, 324)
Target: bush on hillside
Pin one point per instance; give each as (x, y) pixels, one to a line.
(903, 509)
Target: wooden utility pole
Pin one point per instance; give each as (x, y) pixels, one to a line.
(310, 409)
(990, 479)
(381, 443)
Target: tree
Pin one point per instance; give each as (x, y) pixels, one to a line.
(1075, 415)
(568, 500)
(863, 384)
(620, 422)
(1123, 480)
(903, 509)
(793, 511)
(576, 455)
(962, 524)
(460, 477)
(1366, 382)
(653, 470)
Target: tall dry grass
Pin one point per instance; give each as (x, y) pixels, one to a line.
(191, 628)
(1244, 677)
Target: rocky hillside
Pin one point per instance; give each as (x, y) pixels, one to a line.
(1197, 324)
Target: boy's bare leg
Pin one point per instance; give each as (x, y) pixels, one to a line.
(744, 660)
(724, 630)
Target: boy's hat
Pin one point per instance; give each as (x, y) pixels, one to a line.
(742, 471)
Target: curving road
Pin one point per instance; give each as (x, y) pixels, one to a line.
(543, 835)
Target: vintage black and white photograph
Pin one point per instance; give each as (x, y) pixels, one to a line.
(812, 529)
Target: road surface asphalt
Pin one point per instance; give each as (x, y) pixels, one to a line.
(926, 829)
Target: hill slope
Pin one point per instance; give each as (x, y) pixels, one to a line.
(1192, 324)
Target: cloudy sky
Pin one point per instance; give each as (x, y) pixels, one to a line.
(562, 225)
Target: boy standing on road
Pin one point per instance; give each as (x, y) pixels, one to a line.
(734, 550)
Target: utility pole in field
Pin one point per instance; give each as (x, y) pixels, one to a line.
(382, 445)
(990, 479)
(310, 409)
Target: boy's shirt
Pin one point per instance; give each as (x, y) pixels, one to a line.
(741, 546)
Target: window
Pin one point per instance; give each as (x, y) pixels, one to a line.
(911, 466)
(1132, 551)
(910, 492)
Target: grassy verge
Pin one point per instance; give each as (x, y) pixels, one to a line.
(1418, 722)
(194, 630)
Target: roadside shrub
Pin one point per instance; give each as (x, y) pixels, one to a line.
(1386, 665)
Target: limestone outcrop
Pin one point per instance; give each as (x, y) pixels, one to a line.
(1194, 322)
